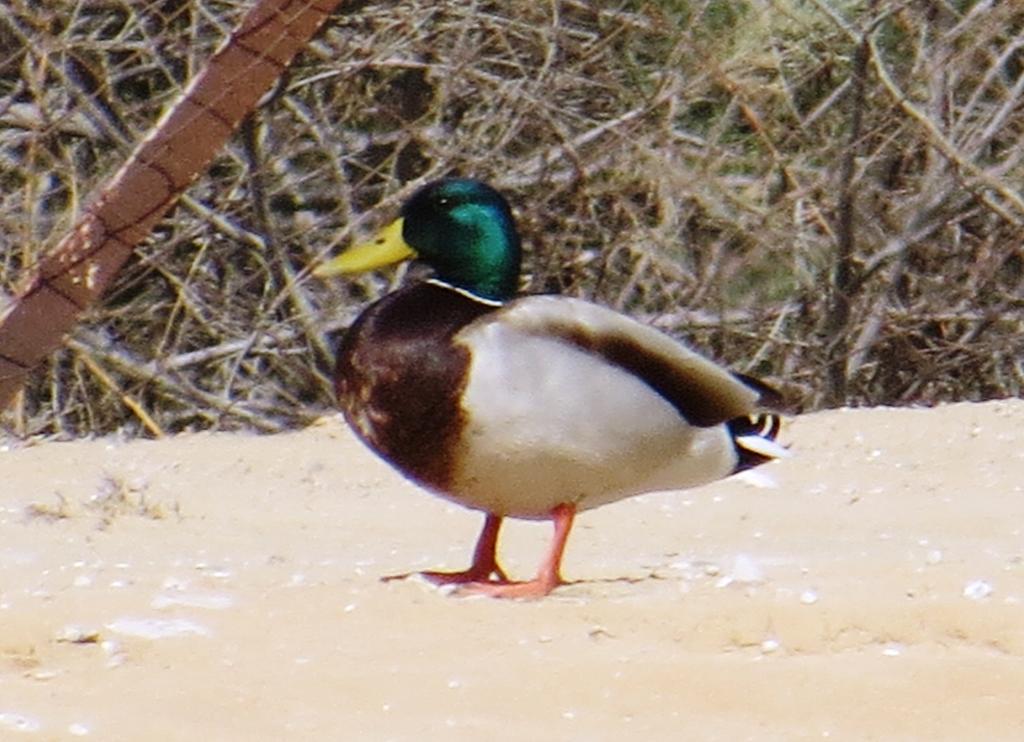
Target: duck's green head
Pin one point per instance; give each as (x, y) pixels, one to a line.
(461, 227)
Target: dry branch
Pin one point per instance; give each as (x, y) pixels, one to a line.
(679, 161)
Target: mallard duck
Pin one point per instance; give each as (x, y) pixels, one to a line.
(531, 407)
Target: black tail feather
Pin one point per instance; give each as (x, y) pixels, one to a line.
(745, 431)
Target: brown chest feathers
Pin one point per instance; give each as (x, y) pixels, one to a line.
(399, 378)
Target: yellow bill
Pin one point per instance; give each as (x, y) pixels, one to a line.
(385, 248)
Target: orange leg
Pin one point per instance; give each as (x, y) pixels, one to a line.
(485, 560)
(548, 576)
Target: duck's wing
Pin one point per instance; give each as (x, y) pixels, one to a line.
(704, 393)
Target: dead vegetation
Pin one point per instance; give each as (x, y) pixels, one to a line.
(115, 497)
(824, 193)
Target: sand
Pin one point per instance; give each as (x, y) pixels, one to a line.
(227, 587)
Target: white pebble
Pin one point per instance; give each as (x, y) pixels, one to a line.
(809, 597)
(111, 647)
(977, 590)
(78, 730)
(933, 557)
(892, 650)
(770, 645)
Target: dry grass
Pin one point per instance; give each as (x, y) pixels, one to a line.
(116, 497)
(822, 193)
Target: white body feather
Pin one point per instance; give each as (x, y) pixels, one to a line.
(548, 422)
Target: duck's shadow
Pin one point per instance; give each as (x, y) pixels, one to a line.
(420, 578)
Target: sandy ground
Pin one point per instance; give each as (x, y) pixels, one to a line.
(226, 587)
